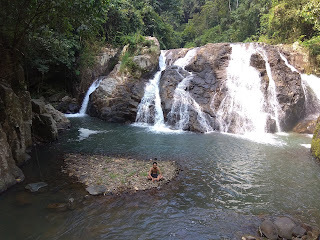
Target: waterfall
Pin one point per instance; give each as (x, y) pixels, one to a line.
(272, 104)
(245, 109)
(311, 88)
(149, 110)
(85, 101)
(183, 102)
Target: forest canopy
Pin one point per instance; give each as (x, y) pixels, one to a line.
(62, 34)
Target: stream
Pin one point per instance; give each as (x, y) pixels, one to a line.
(229, 183)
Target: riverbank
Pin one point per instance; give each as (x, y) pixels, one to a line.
(112, 175)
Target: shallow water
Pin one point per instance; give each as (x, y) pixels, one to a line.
(227, 185)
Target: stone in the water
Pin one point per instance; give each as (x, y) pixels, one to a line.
(268, 229)
(34, 187)
(96, 189)
(299, 231)
(314, 234)
(285, 227)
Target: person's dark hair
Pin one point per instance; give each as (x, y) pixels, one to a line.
(155, 163)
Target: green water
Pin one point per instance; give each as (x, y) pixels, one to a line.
(228, 184)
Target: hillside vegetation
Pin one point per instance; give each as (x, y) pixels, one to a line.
(56, 39)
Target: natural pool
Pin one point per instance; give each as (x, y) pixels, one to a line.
(227, 185)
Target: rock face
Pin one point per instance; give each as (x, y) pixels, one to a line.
(119, 94)
(208, 87)
(204, 84)
(289, 89)
(105, 61)
(268, 229)
(47, 121)
(305, 126)
(285, 227)
(15, 121)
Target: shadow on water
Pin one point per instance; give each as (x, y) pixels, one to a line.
(228, 184)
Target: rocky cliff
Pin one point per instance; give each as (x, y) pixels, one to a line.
(204, 85)
(18, 122)
(15, 122)
(119, 93)
(209, 88)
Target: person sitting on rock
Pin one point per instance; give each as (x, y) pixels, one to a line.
(155, 173)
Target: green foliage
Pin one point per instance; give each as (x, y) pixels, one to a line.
(127, 63)
(315, 144)
(136, 44)
(66, 35)
(311, 13)
(50, 33)
(313, 44)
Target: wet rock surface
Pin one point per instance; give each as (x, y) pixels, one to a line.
(119, 94)
(67, 105)
(269, 229)
(305, 126)
(110, 175)
(105, 62)
(47, 121)
(285, 228)
(35, 187)
(15, 121)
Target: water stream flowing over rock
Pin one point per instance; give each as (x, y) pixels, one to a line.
(85, 102)
(149, 110)
(236, 88)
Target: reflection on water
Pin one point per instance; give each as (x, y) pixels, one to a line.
(227, 184)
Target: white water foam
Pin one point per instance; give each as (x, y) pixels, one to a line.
(310, 86)
(282, 134)
(183, 101)
(306, 145)
(151, 99)
(314, 83)
(272, 103)
(85, 133)
(158, 128)
(262, 138)
(309, 135)
(85, 101)
(245, 109)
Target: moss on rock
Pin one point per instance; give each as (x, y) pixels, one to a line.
(315, 144)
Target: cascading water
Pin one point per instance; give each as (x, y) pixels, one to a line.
(245, 109)
(183, 101)
(271, 104)
(149, 110)
(310, 86)
(85, 101)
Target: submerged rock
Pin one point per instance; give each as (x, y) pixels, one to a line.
(299, 231)
(34, 187)
(285, 227)
(96, 189)
(268, 229)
